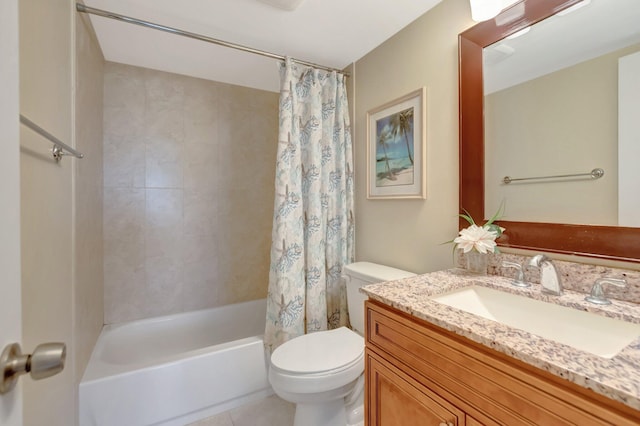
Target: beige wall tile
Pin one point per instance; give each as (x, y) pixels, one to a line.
(124, 161)
(163, 208)
(89, 254)
(124, 284)
(124, 86)
(124, 120)
(163, 90)
(124, 212)
(200, 110)
(164, 286)
(126, 251)
(164, 162)
(202, 166)
(164, 242)
(201, 283)
(203, 131)
(195, 230)
(200, 248)
(235, 99)
(163, 122)
(200, 211)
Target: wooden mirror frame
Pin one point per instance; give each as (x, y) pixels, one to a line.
(605, 242)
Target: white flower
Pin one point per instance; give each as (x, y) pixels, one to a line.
(478, 238)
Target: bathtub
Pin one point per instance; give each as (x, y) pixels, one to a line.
(177, 369)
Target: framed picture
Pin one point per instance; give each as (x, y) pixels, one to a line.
(396, 148)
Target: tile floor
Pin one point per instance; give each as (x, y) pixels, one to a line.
(271, 411)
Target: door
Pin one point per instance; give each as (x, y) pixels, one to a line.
(10, 303)
(395, 398)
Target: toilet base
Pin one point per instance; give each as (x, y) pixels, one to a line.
(333, 412)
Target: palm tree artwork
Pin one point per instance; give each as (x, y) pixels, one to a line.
(394, 149)
(401, 125)
(383, 140)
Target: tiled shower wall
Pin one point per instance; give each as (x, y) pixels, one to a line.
(189, 168)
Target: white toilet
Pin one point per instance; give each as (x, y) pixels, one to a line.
(323, 372)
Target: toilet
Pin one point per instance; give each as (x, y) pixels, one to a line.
(323, 372)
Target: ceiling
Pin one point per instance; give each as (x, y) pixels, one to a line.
(333, 33)
(601, 26)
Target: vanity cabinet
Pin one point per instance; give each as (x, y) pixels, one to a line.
(420, 374)
(400, 400)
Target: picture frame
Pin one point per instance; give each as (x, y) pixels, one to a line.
(396, 148)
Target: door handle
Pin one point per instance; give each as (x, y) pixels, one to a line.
(47, 360)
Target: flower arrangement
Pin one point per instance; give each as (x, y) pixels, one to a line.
(481, 239)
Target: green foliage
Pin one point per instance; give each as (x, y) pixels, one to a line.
(490, 225)
(467, 217)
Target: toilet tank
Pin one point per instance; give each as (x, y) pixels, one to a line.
(359, 274)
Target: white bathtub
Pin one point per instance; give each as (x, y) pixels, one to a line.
(176, 369)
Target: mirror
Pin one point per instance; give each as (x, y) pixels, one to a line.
(551, 109)
(553, 235)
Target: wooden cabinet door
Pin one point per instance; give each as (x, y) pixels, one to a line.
(490, 386)
(395, 399)
(473, 422)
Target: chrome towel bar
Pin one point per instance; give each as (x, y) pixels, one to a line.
(59, 148)
(593, 174)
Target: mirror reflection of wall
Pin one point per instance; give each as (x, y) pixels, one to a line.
(629, 141)
(551, 108)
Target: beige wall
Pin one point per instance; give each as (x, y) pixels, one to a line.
(407, 233)
(11, 404)
(88, 281)
(562, 123)
(46, 203)
(61, 240)
(188, 192)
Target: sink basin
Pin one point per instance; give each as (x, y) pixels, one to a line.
(586, 331)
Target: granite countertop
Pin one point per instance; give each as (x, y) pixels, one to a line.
(617, 378)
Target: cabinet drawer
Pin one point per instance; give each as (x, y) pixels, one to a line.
(485, 384)
(394, 398)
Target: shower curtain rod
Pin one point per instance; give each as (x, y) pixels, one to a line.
(86, 9)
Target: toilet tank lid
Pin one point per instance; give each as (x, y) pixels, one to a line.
(374, 273)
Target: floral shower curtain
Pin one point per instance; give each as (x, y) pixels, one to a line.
(313, 232)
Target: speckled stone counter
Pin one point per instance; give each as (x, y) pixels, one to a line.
(617, 378)
(575, 276)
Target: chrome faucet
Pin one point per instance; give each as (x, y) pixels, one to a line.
(518, 280)
(549, 278)
(598, 295)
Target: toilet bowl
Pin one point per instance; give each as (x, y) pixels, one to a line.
(323, 372)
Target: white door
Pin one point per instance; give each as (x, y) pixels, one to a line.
(10, 304)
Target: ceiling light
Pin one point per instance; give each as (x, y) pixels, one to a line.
(283, 4)
(483, 10)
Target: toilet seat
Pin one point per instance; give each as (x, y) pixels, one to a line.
(318, 352)
(318, 362)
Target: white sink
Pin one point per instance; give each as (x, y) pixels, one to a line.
(588, 332)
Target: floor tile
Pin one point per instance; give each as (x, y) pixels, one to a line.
(223, 419)
(271, 411)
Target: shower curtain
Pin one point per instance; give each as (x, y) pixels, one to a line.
(313, 230)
